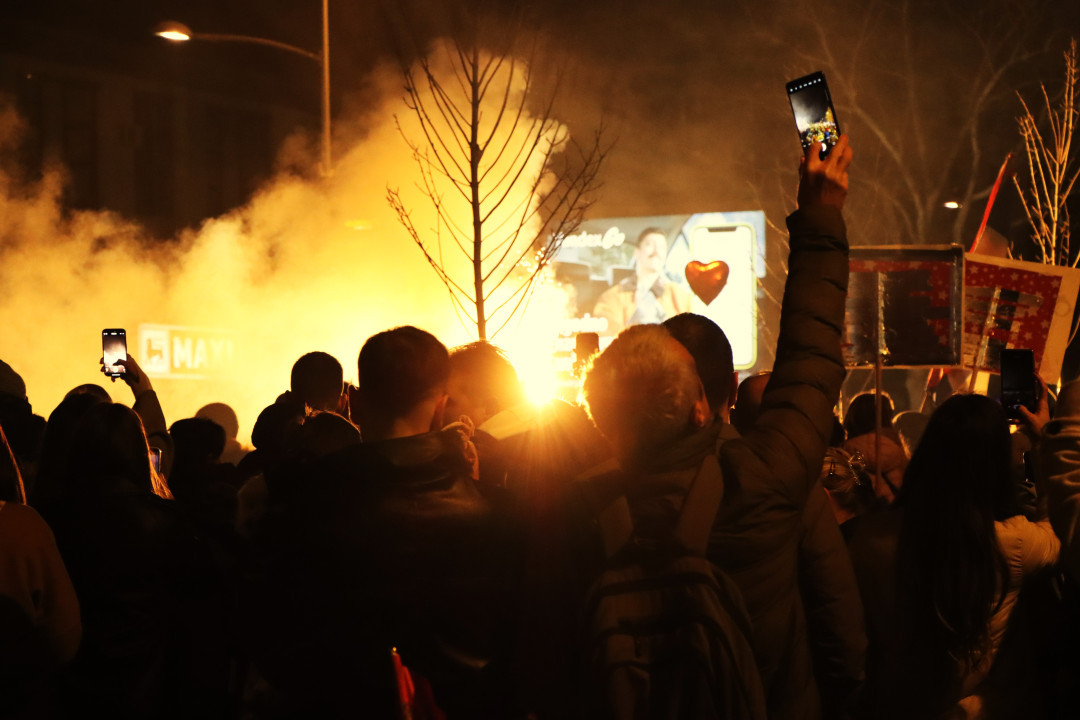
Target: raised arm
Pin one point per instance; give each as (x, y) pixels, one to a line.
(148, 409)
(796, 419)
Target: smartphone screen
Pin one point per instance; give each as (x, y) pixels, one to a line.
(155, 459)
(113, 349)
(815, 116)
(1018, 384)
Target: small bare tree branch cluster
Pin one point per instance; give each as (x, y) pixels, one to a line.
(1052, 171)
(505, 180)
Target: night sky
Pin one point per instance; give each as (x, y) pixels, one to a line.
(690, 92)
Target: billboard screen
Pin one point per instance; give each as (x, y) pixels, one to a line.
(624, 271)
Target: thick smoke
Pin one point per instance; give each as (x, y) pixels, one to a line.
(305, 265)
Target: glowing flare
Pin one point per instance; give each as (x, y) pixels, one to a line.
(531, 343)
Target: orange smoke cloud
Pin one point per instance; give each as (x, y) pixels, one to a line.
(304, 265)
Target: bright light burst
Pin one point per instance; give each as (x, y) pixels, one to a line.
(531, 343)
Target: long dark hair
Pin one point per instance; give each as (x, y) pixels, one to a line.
(951, 572)
(109, 442)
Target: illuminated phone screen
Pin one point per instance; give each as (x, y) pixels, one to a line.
(1018, 385)
(113, 349)
(815, 117)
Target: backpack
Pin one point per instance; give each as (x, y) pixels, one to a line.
(668, 635)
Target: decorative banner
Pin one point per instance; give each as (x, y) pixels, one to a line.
(1015, 304)
(906, 303)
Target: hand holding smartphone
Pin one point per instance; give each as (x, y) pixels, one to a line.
(815, 116)
(1019, 385)
(113, 349)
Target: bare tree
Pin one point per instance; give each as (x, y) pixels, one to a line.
(1052, 171)
(504, 178)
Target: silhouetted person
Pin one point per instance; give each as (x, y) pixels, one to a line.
(317, 379)
(205, 488)
(145, 587)
(39, 613)
(941, 574)
(23, 428)
(315, 385)
(394, 546)
(225, 416)
(535, 452)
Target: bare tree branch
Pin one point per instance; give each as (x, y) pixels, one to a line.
(485, 132)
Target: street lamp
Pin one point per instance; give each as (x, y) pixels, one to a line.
(178, 32)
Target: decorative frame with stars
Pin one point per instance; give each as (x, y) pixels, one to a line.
(1017, 304)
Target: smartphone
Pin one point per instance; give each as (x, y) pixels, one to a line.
(113, 349)
(815, 116)
(1018, 384)
(155, 459)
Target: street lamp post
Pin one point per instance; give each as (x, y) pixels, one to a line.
(178, 32)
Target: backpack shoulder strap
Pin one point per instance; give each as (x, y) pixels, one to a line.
(699, 510)
(605, 495)
(694, 525)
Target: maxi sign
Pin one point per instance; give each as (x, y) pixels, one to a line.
(172, 351)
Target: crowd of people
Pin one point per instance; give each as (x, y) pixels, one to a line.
(427, 544)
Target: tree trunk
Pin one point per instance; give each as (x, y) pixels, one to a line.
(474, 186)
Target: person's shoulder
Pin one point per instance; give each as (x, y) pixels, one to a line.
(23, 521)
(1019, 526)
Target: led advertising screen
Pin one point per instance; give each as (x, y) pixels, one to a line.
(624, 271)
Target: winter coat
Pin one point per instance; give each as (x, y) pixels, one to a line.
(394, 546)
(768, 471)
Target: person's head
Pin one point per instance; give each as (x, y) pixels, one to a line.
(709, 347)
(859, 418)
(643, 391)
(403, 375)
(650, 251)
(223, 415)
(910, 425)
(275, 428)
(198, 442)
(56, 442)
(90, 389)
(109, 442)
(482, 383)
(748, 401)
(317, 378)
(962, 460)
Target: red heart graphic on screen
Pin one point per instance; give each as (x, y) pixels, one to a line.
(707, 279)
